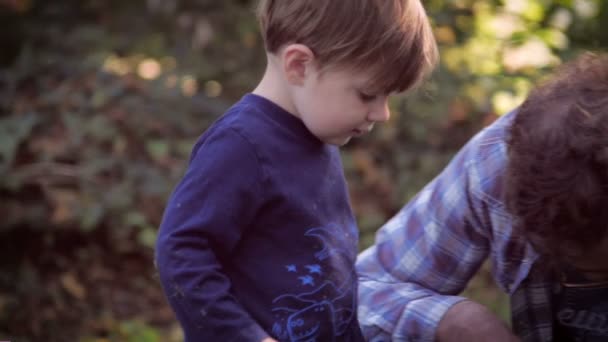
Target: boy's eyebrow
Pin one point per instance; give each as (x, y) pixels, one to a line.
(370, 90)
(369, 87)
(366, 88)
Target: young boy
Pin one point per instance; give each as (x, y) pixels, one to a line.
(258, 241)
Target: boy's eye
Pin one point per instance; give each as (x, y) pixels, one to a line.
(366, 97)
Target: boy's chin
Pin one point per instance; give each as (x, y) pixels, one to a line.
(338, 141)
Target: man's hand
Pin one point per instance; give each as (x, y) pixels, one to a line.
(473, 322)
(269, 339)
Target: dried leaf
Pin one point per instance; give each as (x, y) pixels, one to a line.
(71, 284)
(65, 204)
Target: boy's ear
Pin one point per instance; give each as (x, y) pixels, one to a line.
(297, 62)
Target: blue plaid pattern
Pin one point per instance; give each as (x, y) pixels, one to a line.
(426, 254)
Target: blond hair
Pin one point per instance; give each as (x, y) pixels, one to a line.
(390, 38)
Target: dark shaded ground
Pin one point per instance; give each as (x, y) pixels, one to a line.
(71, 285)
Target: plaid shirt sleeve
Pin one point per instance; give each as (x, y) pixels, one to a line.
(425, 255)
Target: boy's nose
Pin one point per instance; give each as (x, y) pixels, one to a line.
(380, 112)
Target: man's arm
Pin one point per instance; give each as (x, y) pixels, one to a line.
(203, 221)
(425, 255)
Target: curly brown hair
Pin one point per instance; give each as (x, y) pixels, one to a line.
(557, 173)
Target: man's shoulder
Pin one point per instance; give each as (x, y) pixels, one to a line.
(486, 152)
(486, 158)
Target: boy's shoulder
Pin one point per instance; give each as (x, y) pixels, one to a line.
(226, 145)
(234, 122)
(262, 123)
(238, 116)
(249, 114)
(245, 126)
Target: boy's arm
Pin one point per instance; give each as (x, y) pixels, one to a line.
(204, 219)
(424, 256)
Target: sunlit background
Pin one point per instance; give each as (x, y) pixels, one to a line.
(101, 101)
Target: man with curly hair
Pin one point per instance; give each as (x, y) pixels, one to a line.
(531, 192)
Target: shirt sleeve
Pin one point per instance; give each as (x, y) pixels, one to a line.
(424, 256)
(204, 219)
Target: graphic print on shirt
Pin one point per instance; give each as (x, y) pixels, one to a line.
(582, 313)
(583, 325)
(325, 306)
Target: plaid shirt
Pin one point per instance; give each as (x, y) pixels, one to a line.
(425, 255)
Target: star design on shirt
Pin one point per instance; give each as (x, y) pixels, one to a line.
(291, 268)
(307, 280)
(314, 269)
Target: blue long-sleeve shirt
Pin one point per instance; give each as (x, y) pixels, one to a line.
(425, 255)
(258, 239)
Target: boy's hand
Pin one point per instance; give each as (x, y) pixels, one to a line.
(269, 339)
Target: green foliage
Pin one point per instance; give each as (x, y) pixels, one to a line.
(97, 150)
(13, 131)
(134, 331)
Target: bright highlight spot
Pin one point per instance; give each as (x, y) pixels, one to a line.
(116, 65)
(586, 8)
(503, 102)
(532, 54)
(149, 69)
(189, 86)
(213, 88)
(561, 19)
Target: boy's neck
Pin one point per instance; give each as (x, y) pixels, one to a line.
(274, 87)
